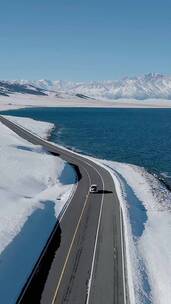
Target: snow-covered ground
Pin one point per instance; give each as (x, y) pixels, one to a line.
(17, 101)
(40, 128)
(34, 187)
(146, 206)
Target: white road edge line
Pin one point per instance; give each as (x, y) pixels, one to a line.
(123, 260)
(121, 233)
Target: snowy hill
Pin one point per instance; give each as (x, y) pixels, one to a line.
(143, 87)
(10, 87)
(7, 88)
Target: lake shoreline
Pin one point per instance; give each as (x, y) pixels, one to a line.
(26, 101)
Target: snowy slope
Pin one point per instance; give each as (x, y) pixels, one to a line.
(36, 88)
(34, 187)
(11, 87)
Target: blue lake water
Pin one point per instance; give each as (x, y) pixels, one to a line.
(136, 136)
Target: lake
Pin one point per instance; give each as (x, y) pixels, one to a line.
(136, 136)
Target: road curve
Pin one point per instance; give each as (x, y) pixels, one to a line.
(89, 262)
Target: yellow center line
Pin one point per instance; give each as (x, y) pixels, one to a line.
(69, 251)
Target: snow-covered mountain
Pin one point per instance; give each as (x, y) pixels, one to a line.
(9, 87)
(38, 88)
(143, 87)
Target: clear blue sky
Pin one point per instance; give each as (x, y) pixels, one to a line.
(84, 39)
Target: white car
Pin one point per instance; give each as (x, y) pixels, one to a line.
(93, 188)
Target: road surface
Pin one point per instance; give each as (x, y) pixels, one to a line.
(88, 265)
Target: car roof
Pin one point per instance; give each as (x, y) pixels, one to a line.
(93, 185)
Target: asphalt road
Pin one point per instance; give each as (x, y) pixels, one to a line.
(88, 265)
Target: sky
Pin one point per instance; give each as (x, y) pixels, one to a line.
(84, 39)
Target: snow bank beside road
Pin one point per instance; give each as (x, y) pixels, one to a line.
(40, 128)
(147, 206)
(34, 187)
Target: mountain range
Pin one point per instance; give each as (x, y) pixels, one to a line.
(147, 86)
